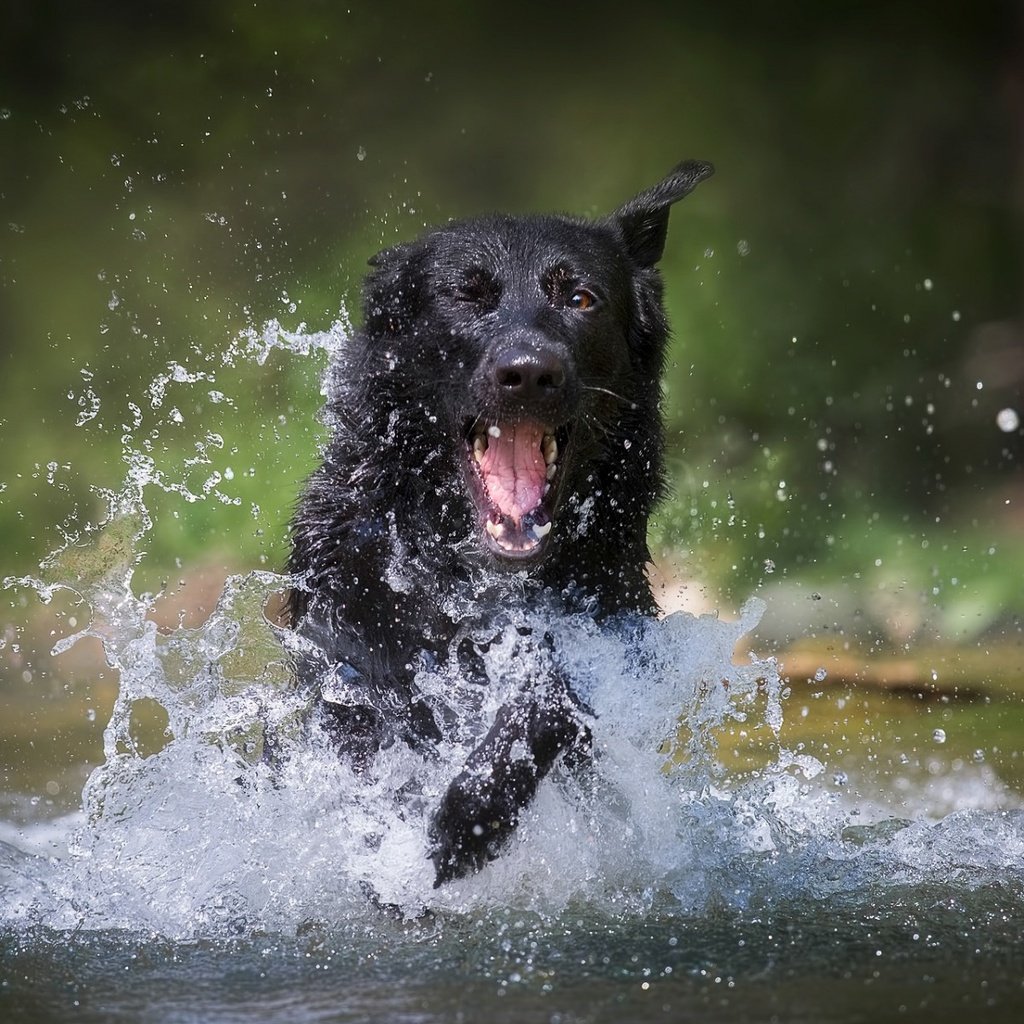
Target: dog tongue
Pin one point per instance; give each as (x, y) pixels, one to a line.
(513, 468)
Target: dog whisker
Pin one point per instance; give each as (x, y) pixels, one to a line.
(606, 391)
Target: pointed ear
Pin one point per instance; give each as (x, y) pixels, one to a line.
(644, 219)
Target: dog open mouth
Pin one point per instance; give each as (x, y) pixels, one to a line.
(513, 476)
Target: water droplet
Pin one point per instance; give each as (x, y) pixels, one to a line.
(1007, 420)
(743, 247)
(360, 153)
(939, 735)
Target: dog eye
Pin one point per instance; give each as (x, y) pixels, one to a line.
(581, 299)
(478, 288)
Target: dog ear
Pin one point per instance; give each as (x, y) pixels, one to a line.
(392, 255)
(391, 293)
(644, 219)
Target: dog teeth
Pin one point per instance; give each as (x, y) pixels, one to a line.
(496, 530)
(479, 447)
(551, 471)
(541, 531)
(549, 446)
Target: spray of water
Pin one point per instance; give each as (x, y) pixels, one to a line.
(189, 828)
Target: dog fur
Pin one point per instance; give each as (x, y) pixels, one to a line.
(491, 350)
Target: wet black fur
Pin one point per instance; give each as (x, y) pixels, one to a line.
(386, 539)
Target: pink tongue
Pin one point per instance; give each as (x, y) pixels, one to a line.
(513, 469)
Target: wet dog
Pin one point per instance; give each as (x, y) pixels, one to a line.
(496, 441)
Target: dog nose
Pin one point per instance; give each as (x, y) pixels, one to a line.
(527, 373)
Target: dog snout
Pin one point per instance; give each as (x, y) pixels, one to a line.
(529, 374)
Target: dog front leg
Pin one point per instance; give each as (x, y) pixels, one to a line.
(481, 808)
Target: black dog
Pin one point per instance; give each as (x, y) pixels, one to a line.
(496, 440)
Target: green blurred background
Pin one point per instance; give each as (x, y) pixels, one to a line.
(846, 375)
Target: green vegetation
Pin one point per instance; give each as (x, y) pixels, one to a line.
(845, 293)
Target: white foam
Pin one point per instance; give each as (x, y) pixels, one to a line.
(201, 837)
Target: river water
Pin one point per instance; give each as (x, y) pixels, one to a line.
(713, 866)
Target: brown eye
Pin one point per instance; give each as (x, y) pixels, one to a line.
(582, 299)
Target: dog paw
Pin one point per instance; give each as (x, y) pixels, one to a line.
(476, 817)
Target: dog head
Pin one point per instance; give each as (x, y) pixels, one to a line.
(529, 351)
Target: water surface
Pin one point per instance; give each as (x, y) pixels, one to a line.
(746, 847)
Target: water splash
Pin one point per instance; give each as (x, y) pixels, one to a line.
(187, 829)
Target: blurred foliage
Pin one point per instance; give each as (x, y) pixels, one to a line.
(845, 293)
